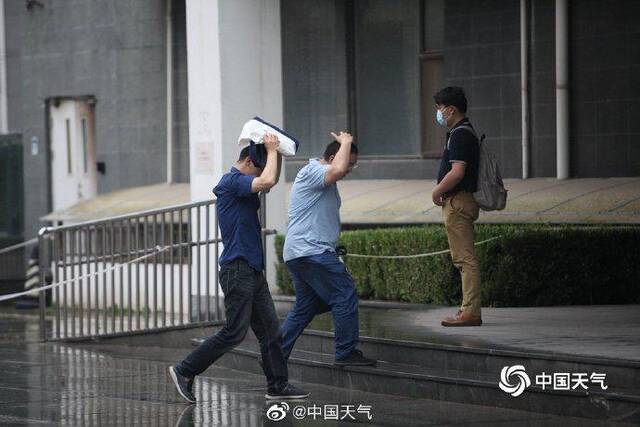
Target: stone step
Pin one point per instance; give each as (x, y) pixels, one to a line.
(476, 362)
(457, 374)
(621, 375)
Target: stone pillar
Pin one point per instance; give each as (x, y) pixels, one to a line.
(234, 73)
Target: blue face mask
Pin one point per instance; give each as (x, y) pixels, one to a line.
(440, 118)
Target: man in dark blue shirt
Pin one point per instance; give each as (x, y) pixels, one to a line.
(246, 293)
(457, 181)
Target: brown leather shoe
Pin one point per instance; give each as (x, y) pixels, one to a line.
(462, 319)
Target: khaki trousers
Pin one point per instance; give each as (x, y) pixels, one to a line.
(459, 213)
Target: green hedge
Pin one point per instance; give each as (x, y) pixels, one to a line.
(532, 265)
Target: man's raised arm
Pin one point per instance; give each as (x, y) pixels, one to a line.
(269, 176)
(340, 164)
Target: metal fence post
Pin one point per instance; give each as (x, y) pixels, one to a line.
(44, 265)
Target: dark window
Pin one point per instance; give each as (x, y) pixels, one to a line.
(314, 71)
(387, 43)
(353, 64)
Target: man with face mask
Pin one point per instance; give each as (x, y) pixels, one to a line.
(321, 280)
(457, 181)
(246, 293)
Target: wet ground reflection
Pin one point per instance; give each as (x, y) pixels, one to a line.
(98, 384)
(57, 384)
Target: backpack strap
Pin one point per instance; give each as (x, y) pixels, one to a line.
(468, 129)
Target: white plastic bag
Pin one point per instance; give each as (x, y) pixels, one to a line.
(254, 130)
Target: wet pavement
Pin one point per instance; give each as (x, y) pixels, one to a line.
(91, 384)
(600, 331)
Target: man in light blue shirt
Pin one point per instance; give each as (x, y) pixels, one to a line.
(314, 214)
(321, 280)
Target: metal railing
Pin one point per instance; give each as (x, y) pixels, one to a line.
(140, 272)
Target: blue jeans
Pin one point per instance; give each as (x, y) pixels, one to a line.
(247, 303)
(322, 283)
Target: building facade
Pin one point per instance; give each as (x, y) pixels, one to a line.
(94, 72)
(373, 66)
(129, 93)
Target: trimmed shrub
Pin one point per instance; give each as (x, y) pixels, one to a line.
(529, 265)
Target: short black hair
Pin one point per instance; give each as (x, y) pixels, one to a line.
(452, 95)
(333, 148)
(244, 153)
(261, 152)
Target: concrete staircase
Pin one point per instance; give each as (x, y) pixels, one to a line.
(458, 374)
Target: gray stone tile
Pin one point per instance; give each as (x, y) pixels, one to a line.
(511, 122)
(486, 92)
(611, 155)
(510, 58)
(611, 117)
(486, 60)
(510, 91)
(459, 62)
(584, 156)
(543, 120)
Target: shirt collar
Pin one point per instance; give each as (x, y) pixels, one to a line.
(464, 120)
(461, 122)
(236, 170)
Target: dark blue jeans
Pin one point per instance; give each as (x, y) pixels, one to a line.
(322, 283)
(247, 302)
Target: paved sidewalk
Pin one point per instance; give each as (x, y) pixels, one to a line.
(590, 201)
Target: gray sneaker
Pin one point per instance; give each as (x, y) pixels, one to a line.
(184, 385)
(287, 392)
(356, 358)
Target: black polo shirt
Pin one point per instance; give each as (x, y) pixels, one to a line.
(462, 146)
